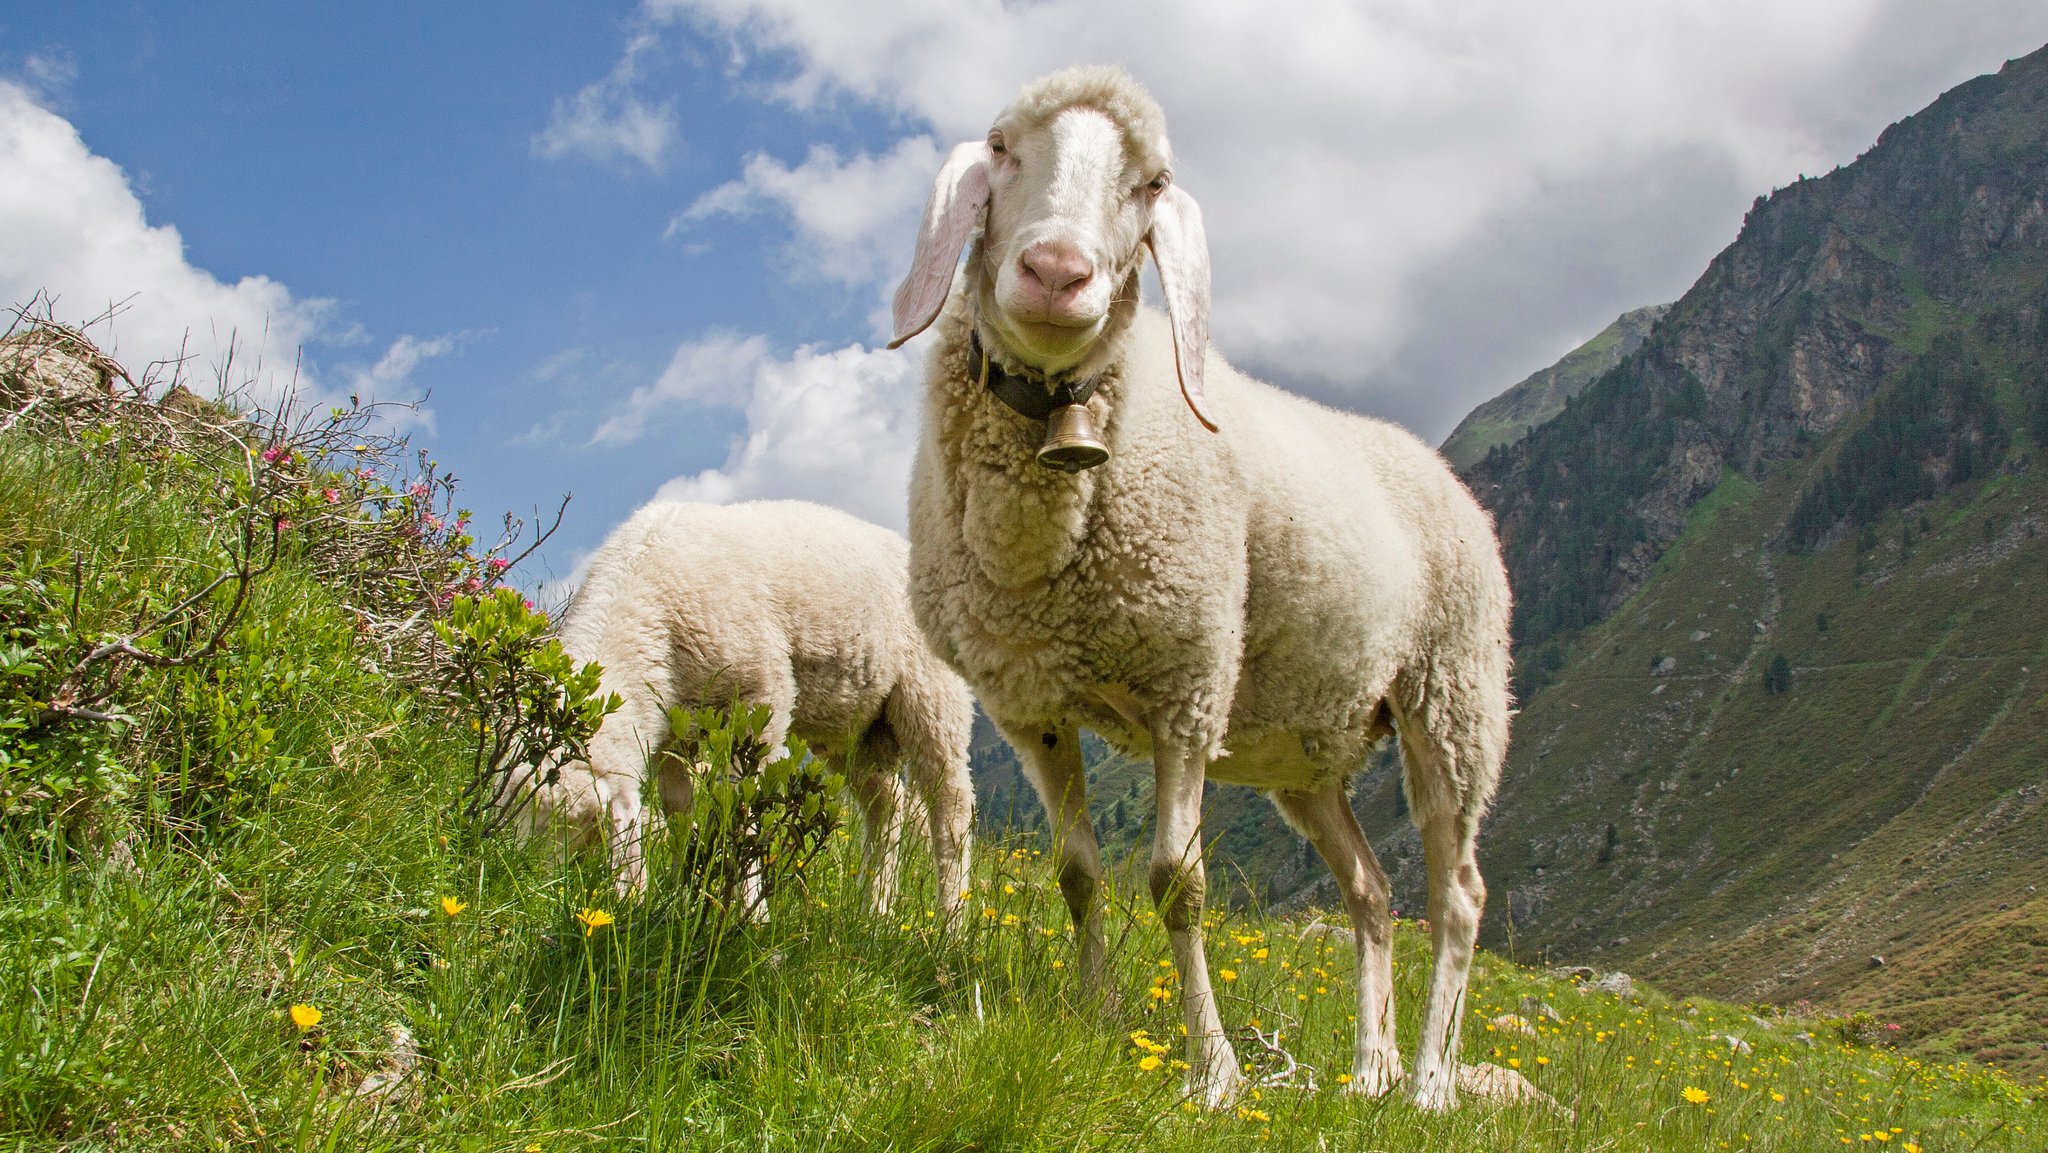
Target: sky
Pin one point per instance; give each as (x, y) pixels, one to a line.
(624, 251)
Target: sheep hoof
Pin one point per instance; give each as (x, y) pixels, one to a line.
(1218, 1090)
(1375, 1077)
(1434, 1092)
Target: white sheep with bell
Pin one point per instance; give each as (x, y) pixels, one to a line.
(1245, 585)
(783, 603)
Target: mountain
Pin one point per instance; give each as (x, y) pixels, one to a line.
(1508, 417)
(1778, 631)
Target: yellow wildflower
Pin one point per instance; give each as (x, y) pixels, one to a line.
(593, 920)
(1259, 954)
(1149, 1062)
(453, 905)
(1227, 974)
(1696, 1095)
(305, 1017)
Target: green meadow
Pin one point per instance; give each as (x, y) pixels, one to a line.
(241, 908)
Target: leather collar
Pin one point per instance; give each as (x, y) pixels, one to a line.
(1031, 397)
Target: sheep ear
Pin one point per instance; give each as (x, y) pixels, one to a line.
(950, 217)
(1181, 250)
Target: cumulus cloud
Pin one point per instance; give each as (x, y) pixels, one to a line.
(835, 426)
(852, 217)
(72, 228)
(608, 122)
(1375, 176)
(390, 378)
(717, 370)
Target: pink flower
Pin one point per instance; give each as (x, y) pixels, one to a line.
(433, 522)
(275, 454)
(497, 564)
(462, 521)
(419, 488)
(528, 604)
(365, 474)
(332, 496)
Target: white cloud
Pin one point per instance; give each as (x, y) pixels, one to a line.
(854, 219)
(71, 227)
(608, 122)
(1402, 194)
(717, 370)
(835, 426)
(390, 379)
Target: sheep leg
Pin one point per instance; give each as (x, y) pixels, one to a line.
(1325, 818)
(619, 753)
(1179, 885)
(949, 814)
(881, 798)
(935, 756)
(1457, 895)
(1052, 759)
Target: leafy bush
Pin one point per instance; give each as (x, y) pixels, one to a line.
(756, 819)
(531, 706)
(140, 525)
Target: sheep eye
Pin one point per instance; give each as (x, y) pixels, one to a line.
(1159, 183)
(996, 145)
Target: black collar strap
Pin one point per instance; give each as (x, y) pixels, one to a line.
(1033, 398)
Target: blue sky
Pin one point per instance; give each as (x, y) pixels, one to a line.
(638, 248)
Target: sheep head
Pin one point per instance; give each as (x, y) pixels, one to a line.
(1073, 184)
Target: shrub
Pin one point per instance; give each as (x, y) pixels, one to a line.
(756, 818)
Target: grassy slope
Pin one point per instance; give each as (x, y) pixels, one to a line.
(147, 1009)
(1769, 847)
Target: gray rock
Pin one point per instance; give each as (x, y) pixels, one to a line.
(1618, 984)
(1493, 1083)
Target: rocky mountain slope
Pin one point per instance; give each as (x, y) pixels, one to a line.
(1508, 417)
(1779, 633)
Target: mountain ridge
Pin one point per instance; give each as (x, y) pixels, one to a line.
(1542, 394)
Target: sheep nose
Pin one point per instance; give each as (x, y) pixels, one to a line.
(1059, 267)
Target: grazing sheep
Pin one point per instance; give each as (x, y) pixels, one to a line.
(784, 603)
(1258, 604)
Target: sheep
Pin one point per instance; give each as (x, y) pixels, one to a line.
(784, 603)
(1255, 590)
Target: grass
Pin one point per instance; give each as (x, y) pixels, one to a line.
(162, 1005)
(318, 865)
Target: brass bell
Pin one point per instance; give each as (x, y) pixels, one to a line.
(1070, 440)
